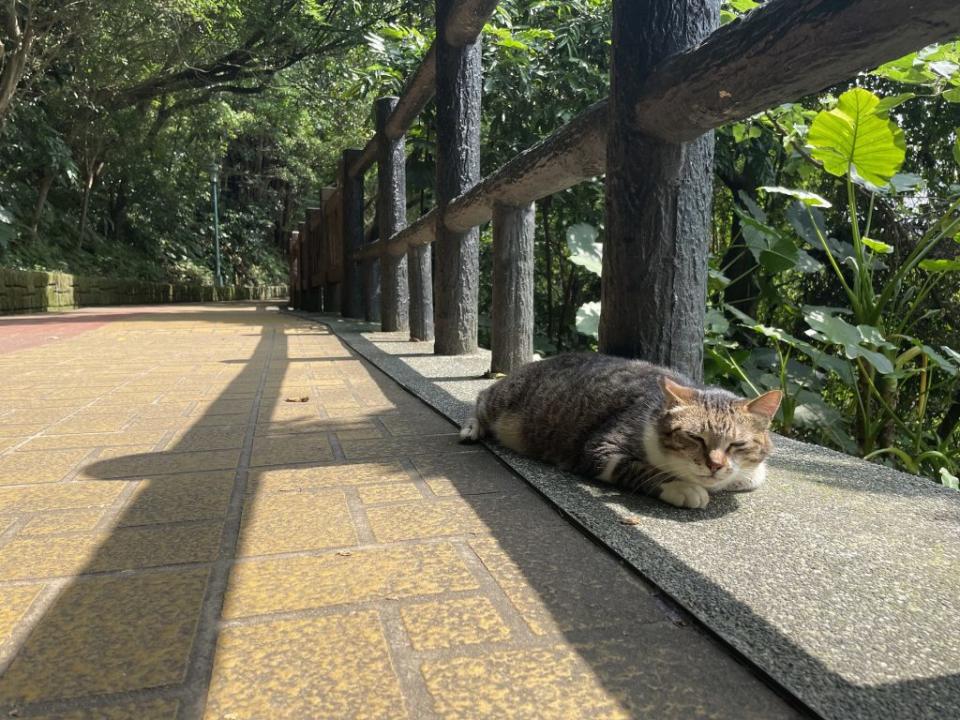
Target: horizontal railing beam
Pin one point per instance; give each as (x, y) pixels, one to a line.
(782, 51)
(569, 156)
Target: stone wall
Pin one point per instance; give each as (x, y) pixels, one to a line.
(33, 291)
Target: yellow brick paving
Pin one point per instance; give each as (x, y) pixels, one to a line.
(180, 540)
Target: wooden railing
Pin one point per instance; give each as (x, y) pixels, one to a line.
(674, 79)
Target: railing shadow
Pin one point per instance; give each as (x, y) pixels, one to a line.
(132, 593)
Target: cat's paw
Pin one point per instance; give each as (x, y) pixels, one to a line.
(748, 482)
(471, 432)
(684, 494)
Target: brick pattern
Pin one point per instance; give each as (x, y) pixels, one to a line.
(222, 513)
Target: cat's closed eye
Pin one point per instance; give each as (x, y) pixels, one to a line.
(736, 445)
(696, 438)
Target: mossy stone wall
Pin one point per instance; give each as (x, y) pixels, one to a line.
(36, 291)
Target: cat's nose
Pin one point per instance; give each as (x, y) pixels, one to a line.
(716, 460)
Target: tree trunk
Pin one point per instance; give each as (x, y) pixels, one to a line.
(46, 182)
(87, 189)
(13, 59)
(654, 281)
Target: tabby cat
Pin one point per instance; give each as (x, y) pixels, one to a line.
(628, 422)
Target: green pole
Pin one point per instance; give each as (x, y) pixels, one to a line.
(214, 172)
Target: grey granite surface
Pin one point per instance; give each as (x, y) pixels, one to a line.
(839, 578)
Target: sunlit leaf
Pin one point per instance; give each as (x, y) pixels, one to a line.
(854, 138)
(877, 246)
(804, 196)
(888, 103)
(940, 265)
(944, 68)
(584, 251)
(588, 319)
(949, 480)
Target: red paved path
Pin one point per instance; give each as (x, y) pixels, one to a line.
(18, 332)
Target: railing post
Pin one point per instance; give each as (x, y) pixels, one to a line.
(420, 264)
(392, 217)
(294, 270)
(459, 82)
(351, 213)
(658, 197)
(370, 280)
(331, 286)
(304, 270)
(314, 296)
(512, 312)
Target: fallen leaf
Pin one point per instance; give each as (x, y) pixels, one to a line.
(630, 521)
(345, 553)
(305, 398)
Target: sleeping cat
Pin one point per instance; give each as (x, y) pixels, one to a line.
(631, 423)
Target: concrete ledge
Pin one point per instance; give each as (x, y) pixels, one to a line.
(839, 578)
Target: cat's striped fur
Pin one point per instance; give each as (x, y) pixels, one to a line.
(630, 423)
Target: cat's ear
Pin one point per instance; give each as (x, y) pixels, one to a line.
(677, 394)
(766, 405)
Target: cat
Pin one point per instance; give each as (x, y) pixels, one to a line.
(631, 423)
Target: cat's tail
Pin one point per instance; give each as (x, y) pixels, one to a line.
(475, 428)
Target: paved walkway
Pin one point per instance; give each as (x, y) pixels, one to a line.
(221, 512)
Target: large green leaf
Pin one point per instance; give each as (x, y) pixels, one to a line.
(854, 139)
(837, 331)
(940, 265)
(820, 359)
(584, 251)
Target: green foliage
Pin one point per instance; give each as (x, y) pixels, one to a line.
(855, 139)
(105, 151)
(884, 388)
